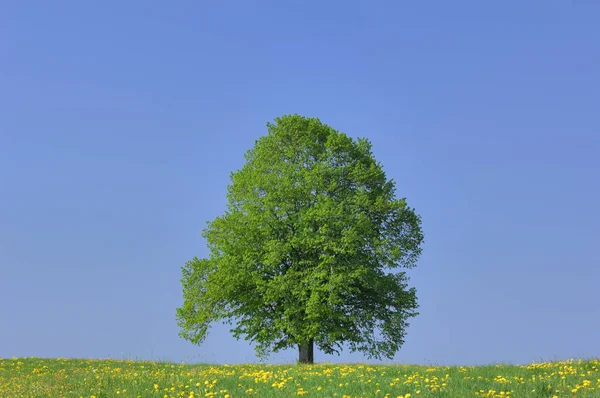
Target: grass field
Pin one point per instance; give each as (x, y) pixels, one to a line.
(35, 377)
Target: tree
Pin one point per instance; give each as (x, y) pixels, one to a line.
(306, 251)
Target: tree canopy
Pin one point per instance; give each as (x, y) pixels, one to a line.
(309, 249)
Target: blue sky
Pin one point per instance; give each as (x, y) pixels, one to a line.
(121, 121)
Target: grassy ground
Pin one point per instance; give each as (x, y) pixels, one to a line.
(34, 377)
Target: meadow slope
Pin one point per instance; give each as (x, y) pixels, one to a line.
(36, 377)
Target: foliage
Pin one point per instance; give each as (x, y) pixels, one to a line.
(307, 249)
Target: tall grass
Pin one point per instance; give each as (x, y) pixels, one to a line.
(36, 377)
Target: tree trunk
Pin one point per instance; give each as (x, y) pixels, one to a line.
(305, 352)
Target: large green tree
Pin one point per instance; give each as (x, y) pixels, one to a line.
(309, 249)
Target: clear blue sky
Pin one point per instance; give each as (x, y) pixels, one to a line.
(121, 121)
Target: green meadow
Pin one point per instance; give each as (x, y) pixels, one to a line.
(36, 377)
